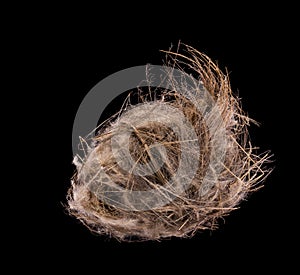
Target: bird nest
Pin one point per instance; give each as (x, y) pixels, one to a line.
(174, 163)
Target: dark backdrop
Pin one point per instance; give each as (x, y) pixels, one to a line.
(76, 50)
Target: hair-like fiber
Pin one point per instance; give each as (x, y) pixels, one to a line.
(193, 210)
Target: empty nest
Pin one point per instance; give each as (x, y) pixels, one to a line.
(211, 190)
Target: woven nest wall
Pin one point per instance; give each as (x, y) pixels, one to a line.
(174, 163)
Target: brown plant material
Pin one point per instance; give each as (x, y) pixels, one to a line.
(201, 204)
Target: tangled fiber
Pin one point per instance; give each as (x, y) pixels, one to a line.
(221, 167)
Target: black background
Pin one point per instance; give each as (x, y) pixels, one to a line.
(74, 50)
